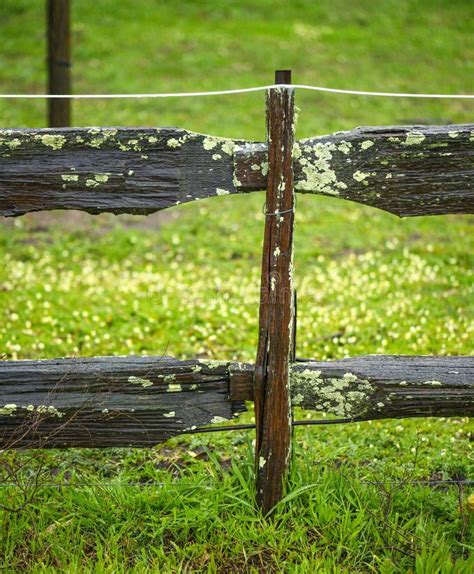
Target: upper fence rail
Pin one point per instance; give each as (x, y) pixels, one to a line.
(405, 170)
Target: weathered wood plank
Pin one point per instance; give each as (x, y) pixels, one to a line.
(119, 170)
(380, 386)
(110, 401)
(405, 170)
(272, 392)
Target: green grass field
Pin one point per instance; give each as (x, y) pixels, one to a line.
(186, 283)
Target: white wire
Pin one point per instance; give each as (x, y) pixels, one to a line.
(237, 91)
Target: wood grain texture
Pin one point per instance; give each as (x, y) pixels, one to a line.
(405, 170)
(379, 386)
(107, 401)
(110, 401)
(272, 401)
(119, 170)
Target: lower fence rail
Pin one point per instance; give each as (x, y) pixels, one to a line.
(141, 401)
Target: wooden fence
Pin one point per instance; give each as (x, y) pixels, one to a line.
(140, 401)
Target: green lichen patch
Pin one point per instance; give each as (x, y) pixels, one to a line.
(345, 147)
(48, 410)
(361, 176)
(173, 142)
(343, 396)
(174, 388)
(11, 144)
(413, 138)
(70, 177)
(212, 364)
(101, 177)
(315, 164)
(140, 381)
(53, 141)
(8, 409)
(434, 383)
(210, 142)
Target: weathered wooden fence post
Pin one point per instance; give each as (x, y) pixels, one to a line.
(59, 65)
(276, 323)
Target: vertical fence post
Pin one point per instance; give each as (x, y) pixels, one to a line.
(59, 65)
(276, 322)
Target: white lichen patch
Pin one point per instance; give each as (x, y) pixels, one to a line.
(174, 388)
(47, 410)
(210, 142)
(91, 183)
(220, 191)
(102, 135)
(173, 142)
(152, 139)
(217, 419)
(168, 378)
(413, 138)
(316, 166)
(216, 156)
(344, 147)
(228, 147)
(342, 396)
(264, 167)
(102, 177)
(366, 144)
(361, 176)
(140, 381)
(13, 144)
(70, 177)
(261, 462)
(212, 364)
(169, 415)
(235, 181)
(434, 383)
(52, 141)
(8, 409)
(453, 134)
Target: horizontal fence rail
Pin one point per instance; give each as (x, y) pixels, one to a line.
(405, 170)
(123, 170)
(110, 401)
(141, 401)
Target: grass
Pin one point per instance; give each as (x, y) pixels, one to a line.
(367, 283)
